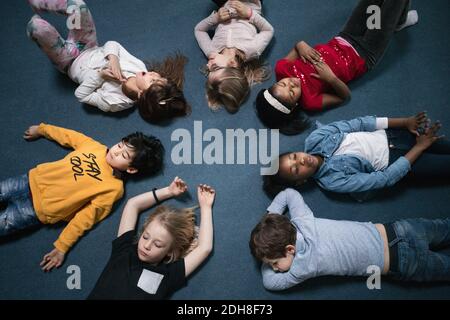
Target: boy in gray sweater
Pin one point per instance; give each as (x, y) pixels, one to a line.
(304, 247)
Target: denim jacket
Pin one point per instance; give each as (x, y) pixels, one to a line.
(350, 173)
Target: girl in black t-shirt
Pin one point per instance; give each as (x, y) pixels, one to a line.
(166, 252)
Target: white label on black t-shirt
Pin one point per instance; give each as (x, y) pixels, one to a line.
(149, 281)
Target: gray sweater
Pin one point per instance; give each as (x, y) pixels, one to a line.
(323, 247)
(238, 33)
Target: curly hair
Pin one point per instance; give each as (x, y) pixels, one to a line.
(148, 153)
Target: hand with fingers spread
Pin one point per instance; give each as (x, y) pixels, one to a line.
(243, 11)
(307, 53)
(52, 259)
(324, 72)
(32, 133)
(223, 15)
(430, 136)
(177, 187)
(415, 122)
(206, 195)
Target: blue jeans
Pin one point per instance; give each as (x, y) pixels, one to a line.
(19, 212)
(432, 165)
(418, 242)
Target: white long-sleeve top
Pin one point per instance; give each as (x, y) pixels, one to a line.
(93, 89)
(238, 33)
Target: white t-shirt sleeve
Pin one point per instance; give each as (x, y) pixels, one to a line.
(381, 123)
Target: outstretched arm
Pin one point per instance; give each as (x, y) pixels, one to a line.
(65, 137)
(423, 142)
(363, 181)
(206, 196)
(144, 201)
(83, 220)
(412, 123)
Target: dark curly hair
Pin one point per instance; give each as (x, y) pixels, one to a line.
(274, 184)
(148, 153)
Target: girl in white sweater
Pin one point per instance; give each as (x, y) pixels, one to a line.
(109, 77)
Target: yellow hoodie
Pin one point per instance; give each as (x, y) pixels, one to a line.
(80, 188)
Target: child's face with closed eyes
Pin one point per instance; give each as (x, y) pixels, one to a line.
(155, 243)
(298, 166)
(287, 91)
(282, 264)
(120, 156)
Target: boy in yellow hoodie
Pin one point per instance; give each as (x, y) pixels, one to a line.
(81, 188)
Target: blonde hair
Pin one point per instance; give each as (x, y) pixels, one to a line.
(180, 223)
(230, 90)
(255, 70)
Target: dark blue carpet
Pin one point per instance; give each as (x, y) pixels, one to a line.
(412, 76)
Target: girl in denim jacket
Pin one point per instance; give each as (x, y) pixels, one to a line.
(366, 154)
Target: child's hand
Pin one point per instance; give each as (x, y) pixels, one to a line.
(177, 187)
(324, 72)
(425, 141)
(52, 259)
(114, 66)
(306, 52)
(243, 11)
(107, 74)
(223, 15)
(32, 133)
(415, 122)
(206, 195)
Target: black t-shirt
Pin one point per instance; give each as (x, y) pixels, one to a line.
(127, 277)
